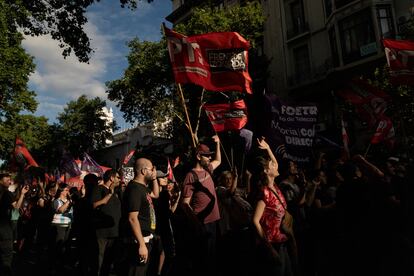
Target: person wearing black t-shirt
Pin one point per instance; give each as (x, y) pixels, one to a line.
(106, 201)
(139, 216)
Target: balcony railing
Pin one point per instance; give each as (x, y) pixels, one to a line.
(297, 30)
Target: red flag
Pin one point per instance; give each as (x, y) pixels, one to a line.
(384, 132)
(170, 172)
(370, 102)
(215, 61)
(227, 116)
(400, 59)
(176, 162)
(345, 139)
(22, 155)
(128, 157)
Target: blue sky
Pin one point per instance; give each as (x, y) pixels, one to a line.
(58, 81)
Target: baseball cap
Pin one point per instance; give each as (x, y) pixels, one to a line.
(203, 150)
(162, 174)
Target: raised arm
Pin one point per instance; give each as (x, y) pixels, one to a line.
(18, 203)
(265, 146)
(217, 158)
(368, 165)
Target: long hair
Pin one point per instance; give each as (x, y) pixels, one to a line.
(60, 189)
(259, 178)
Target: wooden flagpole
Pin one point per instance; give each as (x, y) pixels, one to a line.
(193, 138)
(180, 92)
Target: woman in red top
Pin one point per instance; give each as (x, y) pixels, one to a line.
(269, 212)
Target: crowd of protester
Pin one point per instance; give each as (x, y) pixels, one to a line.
(350, 217)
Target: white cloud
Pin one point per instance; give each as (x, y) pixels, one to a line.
(68, 78)
(58, 81)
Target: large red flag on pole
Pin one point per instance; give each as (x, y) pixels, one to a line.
(400, 59)
(227, 116)
(215, 61)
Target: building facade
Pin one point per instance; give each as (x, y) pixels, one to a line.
(316, 46)
(313, 41)
(139, 137)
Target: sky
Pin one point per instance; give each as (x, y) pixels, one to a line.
(57, 80)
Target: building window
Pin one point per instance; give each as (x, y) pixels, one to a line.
(297, 24)
(357, 36)
(334, 47)
(328, 8)
(302, 63)
(385, 22)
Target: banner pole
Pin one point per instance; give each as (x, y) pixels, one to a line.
(193, 139)
(231, 150)
(199, 112)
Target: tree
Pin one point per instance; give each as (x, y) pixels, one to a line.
(146, 91)
(400, 108)
(35, 132)
(15, 67)
(83, 127)
(63, 20)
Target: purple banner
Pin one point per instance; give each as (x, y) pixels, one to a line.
(292, 129)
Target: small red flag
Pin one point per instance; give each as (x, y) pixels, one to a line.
(400, 59)
(128, 157)
(22, 155)
(215, 61)
(227, 116)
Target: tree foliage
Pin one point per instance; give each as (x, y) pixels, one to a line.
(401, 107)
(33, 130)
(247, 20)
(83, 127)
(146, 91)
(63, 20)
(15, 67)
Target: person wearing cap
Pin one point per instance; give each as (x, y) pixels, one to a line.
(199, 198)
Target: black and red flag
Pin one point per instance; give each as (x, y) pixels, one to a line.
(227, 116)
(22, 156)
(215, 61)
(369, 101)
(400, 59)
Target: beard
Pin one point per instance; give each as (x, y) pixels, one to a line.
(204, 164)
